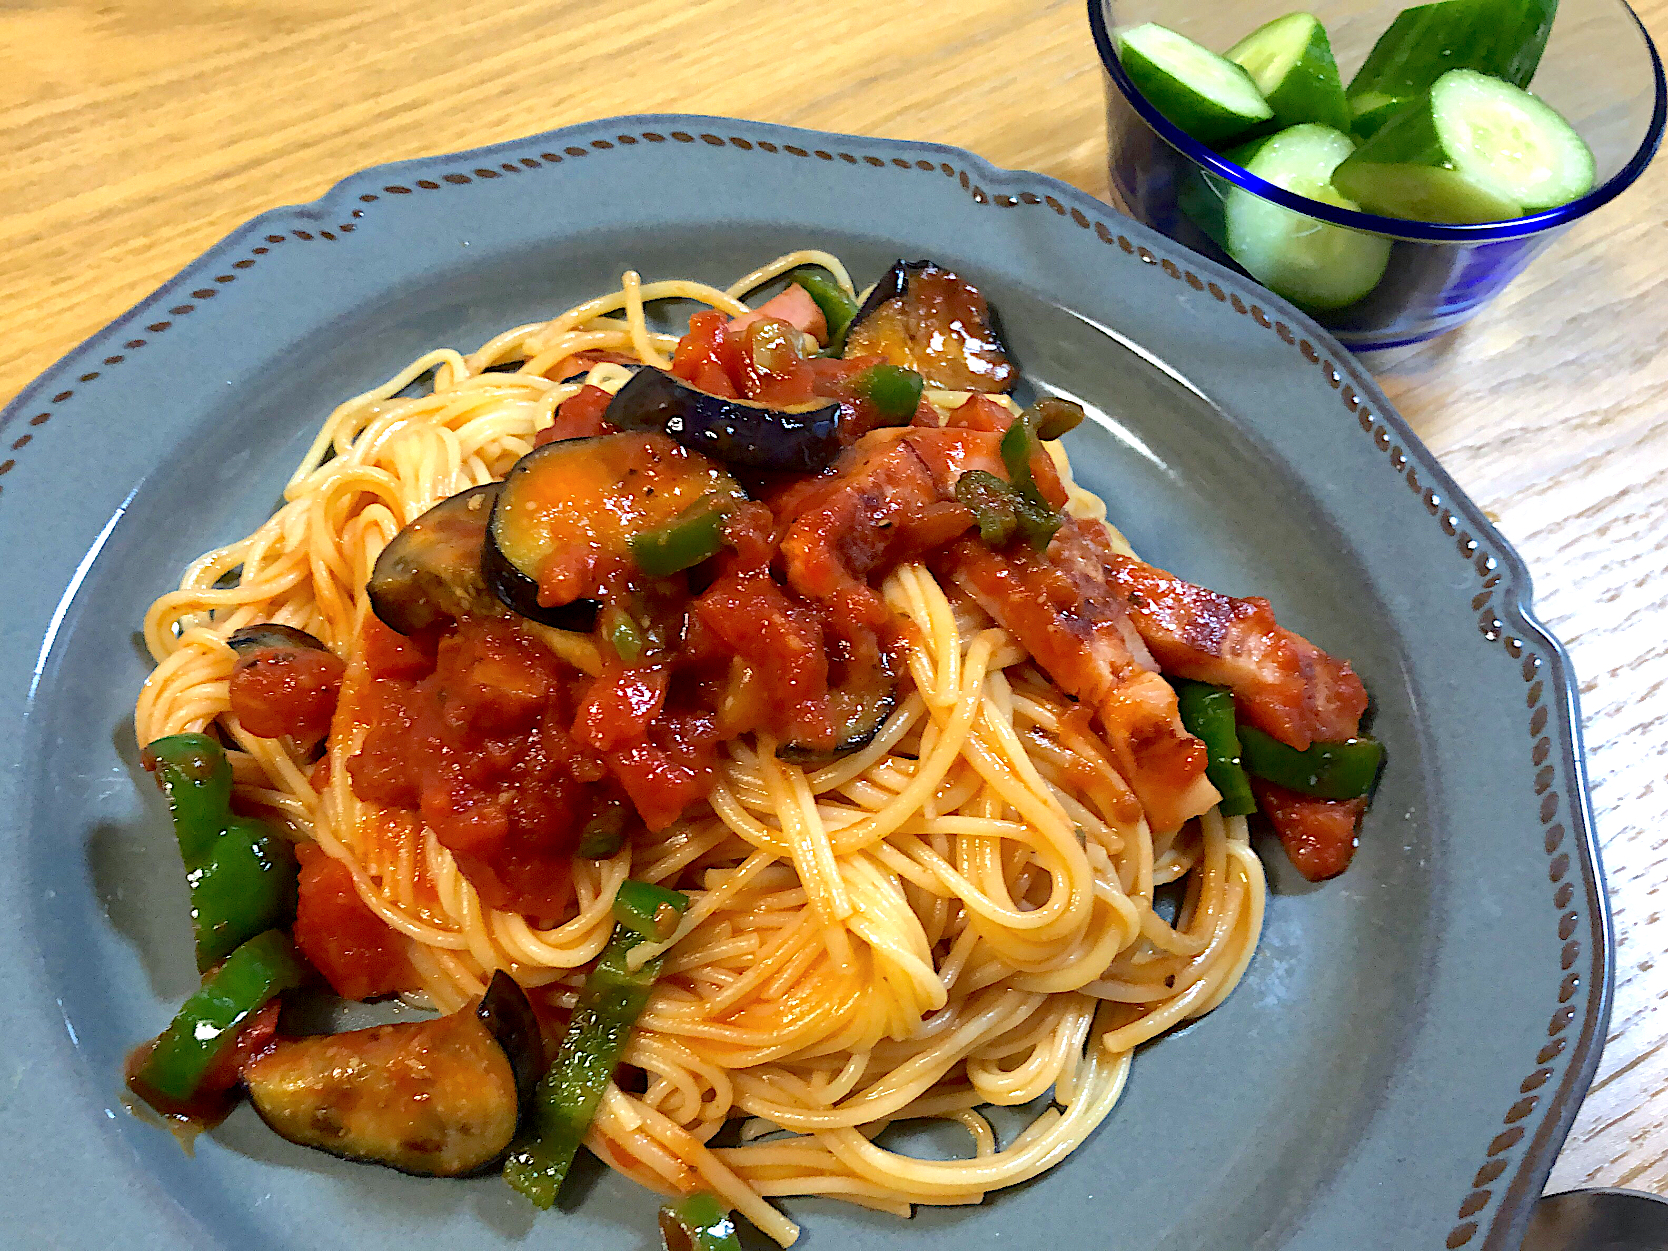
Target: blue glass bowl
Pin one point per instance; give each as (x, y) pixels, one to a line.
(1601, 71)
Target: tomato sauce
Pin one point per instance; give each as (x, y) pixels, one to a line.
(759, 359)
(481, 746)
(505, 751)
(353, 948)
(279, 691)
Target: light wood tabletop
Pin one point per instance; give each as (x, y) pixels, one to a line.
(135, 134)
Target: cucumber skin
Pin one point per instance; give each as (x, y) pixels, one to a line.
(1410, 141)
(1209, 124)
(1501, 38)
(1368, 114)
(1318, 96)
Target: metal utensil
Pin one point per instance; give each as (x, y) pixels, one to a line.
(1598, 1220)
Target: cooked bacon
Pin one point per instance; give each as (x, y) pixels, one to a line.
(1282, 683)
(890, 499)
(844, 526)
(794, 306)
(1318, 834)
(1059, 608)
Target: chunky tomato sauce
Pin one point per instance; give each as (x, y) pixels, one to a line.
(352, 947)
(514, 757)
(474, 731)
(509, 753)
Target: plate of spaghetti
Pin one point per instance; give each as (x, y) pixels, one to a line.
(880, 693)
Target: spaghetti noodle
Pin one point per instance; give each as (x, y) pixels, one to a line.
(965, 912)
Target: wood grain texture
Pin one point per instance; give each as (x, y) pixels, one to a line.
(134, 134)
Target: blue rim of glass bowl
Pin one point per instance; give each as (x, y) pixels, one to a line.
(1433, 232)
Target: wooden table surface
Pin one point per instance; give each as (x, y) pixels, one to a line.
(135, 134)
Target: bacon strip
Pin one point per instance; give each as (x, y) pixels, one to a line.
(891, 499)
(1101, 624)
(1059, 608)
(1282, 683)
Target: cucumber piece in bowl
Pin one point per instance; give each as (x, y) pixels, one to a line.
(1504, 38)
(1290, 60)
(1312, 263)
(1471, 149)
(1206, 95)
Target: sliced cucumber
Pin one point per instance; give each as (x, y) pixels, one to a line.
(1208, 96)
(1504, 38)
(1370, 111)
(1471, 149)
(1202, 198)
(1312, 263)
(1290, 61)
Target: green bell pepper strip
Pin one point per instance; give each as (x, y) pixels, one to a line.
(895, 392)
(609, 1004)
(1037, 518)
(650, 911)
(697, 1222)
(694, 535)
(991, 501)
(1037, 522)
(241, 872)
(208, 1022)
(1208, 713)
(1337, 770)
(604, 833)
(623, 633)
(1053, 418)
(837, 307)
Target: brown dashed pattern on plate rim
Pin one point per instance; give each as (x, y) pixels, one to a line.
(1489, 625)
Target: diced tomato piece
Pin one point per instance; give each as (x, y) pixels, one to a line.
(391, 655)
(980, 413)
(1318, 834)
(757, 358)
(782, 641)
(749, 538)
(578, 417)
(699, 357)
(482, 750)
(714, 379)
(278, 691)
(670, 769)
(619, 705)
(355, 950)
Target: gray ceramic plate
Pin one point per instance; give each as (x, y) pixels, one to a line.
(1406, 1053)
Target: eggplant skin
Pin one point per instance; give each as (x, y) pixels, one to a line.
(859, 709)
(430, 574)
(519, 591)
(433, 1098)
(508, 1016)
(923, 317)
(270, 634)
(739, 433)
